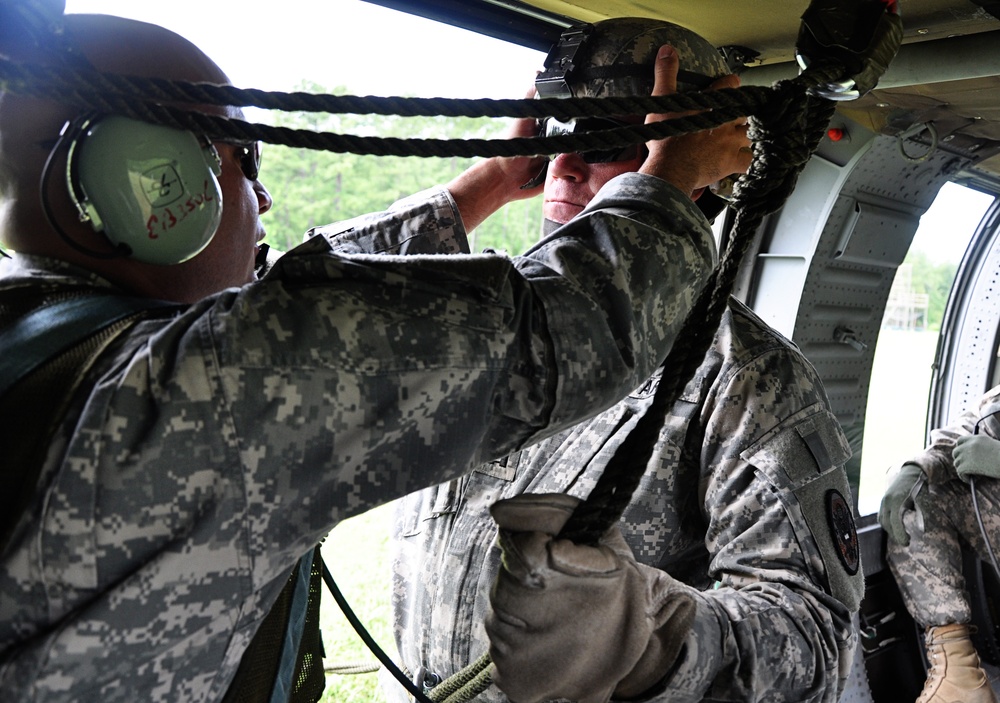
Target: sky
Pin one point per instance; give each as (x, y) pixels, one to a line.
(948, 225)
(368, 49)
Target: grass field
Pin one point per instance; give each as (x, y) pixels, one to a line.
(895, 423)
(356, 553)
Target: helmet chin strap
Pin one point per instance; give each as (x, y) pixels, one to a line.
(549, 226)
(539, 178)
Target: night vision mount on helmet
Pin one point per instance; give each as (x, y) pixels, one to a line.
(614, 58)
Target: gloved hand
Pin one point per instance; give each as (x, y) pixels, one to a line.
(577, 622)
(896, 501)
(977, 455)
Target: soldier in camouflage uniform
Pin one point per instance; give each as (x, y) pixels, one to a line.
(207, 451)
(928, 512)
(744, 507)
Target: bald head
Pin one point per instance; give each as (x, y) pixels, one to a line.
(29, 126)
(29, 131)
(121, 45)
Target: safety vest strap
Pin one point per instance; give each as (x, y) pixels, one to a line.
(49, 339)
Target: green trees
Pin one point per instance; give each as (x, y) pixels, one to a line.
(934, 279)
(311, 188)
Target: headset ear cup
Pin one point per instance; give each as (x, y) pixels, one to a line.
(151, 188)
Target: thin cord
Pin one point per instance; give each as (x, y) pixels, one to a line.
(982, 526)
(979, 515)
(369, 640)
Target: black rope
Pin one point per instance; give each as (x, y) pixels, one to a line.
(113, 93)
(784, 136)
(89, 86)
(369, 640)
(219, 127)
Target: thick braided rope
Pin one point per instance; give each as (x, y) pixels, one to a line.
(161, 102)
(466, 684)
(784, 139)
(83, 86)
(216, 127)
(351, 669)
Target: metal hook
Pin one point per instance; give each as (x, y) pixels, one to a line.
(912, 132)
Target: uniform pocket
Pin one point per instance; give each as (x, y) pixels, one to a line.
(804, 459)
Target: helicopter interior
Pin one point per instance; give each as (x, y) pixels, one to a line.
(828, 270)
(900, 167)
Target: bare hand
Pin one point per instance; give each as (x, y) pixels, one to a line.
(693, 161)
(515, 171)
(488, 185)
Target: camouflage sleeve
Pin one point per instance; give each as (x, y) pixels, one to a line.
(781, 539)
(431, 348)
(424, 223)
(219, 446)
(935, 460)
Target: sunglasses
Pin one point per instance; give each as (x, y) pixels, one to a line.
(248, 154)
(579, 125)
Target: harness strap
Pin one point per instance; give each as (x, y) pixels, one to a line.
(50, 330)
(49, 340)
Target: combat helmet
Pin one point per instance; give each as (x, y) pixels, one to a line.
(614, 58)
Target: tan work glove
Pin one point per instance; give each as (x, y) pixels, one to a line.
(577, 622)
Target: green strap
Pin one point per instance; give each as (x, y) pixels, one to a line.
(50, 330)
(46, 348)
(466, 684)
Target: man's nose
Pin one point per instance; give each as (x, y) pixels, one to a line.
(571, 167)
(264, 200)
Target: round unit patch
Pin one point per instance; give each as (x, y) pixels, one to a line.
(843, 531)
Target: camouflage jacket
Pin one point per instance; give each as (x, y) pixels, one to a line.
(745, 500)
(935, 460)
(209, 451)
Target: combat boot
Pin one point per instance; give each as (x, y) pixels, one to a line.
(955, 674)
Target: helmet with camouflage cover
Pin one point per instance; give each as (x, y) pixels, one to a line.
(614, 58)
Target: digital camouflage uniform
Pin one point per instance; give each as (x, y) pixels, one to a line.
(741, 501)
(929, 570)
(216, 448)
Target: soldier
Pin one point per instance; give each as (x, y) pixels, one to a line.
(741, 524)
(210, 445)
(927, 512)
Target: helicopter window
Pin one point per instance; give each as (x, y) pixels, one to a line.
(896, 416)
